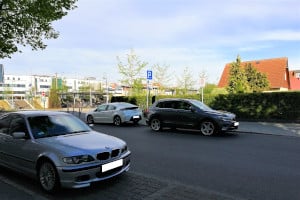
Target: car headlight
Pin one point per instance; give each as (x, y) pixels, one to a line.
(78, 159)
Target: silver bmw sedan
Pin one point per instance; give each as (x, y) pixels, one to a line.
(59, 149)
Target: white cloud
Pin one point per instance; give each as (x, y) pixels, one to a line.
(201, 35)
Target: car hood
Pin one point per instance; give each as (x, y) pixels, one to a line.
(221, 113)
(86, 141)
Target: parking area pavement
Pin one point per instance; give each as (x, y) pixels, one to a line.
(274, 128)
(131, 186)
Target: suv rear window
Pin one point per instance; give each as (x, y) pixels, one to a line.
(166, 104)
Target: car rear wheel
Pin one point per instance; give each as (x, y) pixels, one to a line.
(155, 124)
(207, 128)
(90, 119)
(48, 177)
(117, 121)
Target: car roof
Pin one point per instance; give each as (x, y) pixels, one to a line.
(174, 99)
(37, 112)
(121, 104)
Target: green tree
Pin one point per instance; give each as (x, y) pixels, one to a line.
(185, 82)
(28, 22)
(162, 76)
(209, 88)
(246, 78)
(53, 99)
(257, 81)
(138, 86)
(131, 69)
(238, 82)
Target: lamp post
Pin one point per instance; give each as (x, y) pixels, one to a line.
(106, 85)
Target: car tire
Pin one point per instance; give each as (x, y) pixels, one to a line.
(207, 127)
(117, 121)
(135, 122)
(48, 177)
(155, 124)
(90, 119)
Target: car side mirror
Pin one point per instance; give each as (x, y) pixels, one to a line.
(19, 135)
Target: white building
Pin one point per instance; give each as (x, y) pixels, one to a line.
(25, 86)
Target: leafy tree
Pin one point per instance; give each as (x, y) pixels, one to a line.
(246, 78)
(161, 75)
(53, 99)
(138, 86)
(238, 82)
(209, 88)
(28, 22)
(131, 70)
(186, 81)
(257, 81)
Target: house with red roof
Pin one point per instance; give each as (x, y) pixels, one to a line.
(276, 70)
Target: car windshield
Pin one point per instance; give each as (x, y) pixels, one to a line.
(55, 125)
(201, 105)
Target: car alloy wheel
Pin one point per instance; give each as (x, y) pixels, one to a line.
(90, 119)
(117, 121)
(155, 124)
(207, 128)
(48, 177)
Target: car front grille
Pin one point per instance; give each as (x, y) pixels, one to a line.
(103, 156)
(106, 155)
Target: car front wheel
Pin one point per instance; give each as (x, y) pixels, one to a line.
(48, 177)
(207, 128)
(90, 119)
(117, 121)
(155, 124)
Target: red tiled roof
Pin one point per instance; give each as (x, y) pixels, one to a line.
(276, 70)
(294, 81)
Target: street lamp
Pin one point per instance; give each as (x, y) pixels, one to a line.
(106, 82)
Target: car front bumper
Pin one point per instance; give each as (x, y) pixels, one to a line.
(229, 125)
(84, 175)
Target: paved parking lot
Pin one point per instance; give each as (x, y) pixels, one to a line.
(131, 186)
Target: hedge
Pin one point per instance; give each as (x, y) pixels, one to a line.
(261, 106)
(275, 106)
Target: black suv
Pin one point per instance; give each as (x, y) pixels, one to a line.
(189, 114)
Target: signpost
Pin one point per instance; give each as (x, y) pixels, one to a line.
(149, 77)
(43, 99)
(202, 85)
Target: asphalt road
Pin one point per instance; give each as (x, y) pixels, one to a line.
(185, 165)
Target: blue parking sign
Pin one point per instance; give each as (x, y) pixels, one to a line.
(149, 74)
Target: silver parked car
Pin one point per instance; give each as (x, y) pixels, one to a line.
(116, 113)
(59, 149)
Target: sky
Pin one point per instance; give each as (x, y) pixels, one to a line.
(199, 35)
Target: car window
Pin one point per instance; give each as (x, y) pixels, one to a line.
(4, 123)
(55, 125)
(201, 105)
(111, 107)
(166, 104)
(102, 107)
(18, 125)
(183, 105)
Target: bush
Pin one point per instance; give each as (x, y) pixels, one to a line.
(261, 106)
(276, 106)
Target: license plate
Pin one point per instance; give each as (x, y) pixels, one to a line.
(136, 117)
(236, 123)
(112, 165)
